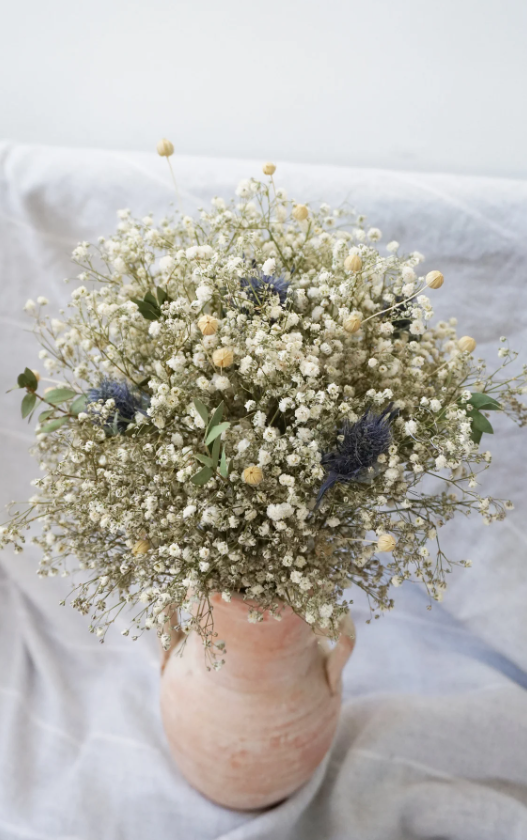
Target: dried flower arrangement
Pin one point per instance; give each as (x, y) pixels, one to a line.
(248, 402)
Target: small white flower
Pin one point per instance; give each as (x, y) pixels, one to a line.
(410, 427)
(302, 413)
(435, 405)
(167, 264)
(189, 511)
(279, 512)
(269, 266)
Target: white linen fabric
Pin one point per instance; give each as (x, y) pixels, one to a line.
(432, 741)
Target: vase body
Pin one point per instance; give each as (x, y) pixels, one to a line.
(250, 734)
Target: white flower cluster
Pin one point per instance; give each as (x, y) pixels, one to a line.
(216, 372)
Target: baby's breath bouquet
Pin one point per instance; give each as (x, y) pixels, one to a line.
(253, 402)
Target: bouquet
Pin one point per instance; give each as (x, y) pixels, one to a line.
(255, 401)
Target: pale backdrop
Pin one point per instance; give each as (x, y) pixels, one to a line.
(435, 85)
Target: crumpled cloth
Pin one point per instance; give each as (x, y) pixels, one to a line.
(432, 742)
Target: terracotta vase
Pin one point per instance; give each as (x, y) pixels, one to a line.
(250, 734)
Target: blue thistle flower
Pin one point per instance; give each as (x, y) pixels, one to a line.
(360, 445)
(127, 402)
(259, 288)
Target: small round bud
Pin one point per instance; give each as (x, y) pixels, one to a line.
(268, 168)
(252, 475)
(434, 279)
(386, 543)
(165, 148)
(36, 374)
(208, 324)
(223, 357)
(141, 547)
(300, 212)
(353, 263)
(352, 325)
(467, 344)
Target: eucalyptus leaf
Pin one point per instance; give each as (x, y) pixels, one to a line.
(78, 405)
(204, 459)
(216, 452)
(161, 295)
(216, 417)
(149, 298)
(146, 310)
(27, 380)
(216, 432)
(44, 415)
(202, 476)
(483, 402)
(480, 423)
(59, 395)
(53, 425)
(28, 404)
(202, 410)
(476, 435)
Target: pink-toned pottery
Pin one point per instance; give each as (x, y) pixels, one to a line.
(250, 734)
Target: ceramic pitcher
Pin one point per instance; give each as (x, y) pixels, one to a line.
(250, 734)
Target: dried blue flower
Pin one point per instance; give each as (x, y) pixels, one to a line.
(258, 289)
(358, 448)
(127, 403)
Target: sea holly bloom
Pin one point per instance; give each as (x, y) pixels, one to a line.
(358, 448)
(127, 402)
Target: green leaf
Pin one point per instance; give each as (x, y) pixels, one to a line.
(476, 435)
(216, 432)
(147, 311)
(161, 295)
(216, 417)
(483, 402)
(202, 476)
(216, 452)
(43, 416)
(54, 424)
(78, 405)
(204, 459)
(28, 404)
(59, 395)
(28, 380)
(224, 466)
(149, 298)
(201, 409)
(480, 423)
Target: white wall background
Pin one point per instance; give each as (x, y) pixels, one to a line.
(434, 85)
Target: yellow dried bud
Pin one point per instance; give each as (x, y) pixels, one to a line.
(223, 357)
(269, 168)
(434, 279)
(208, 324)
(352, 325)
(467, 344)
(165, 148)
(353, 263)
(141, 547)
(252, 475)
(300, 212)
(386, 543)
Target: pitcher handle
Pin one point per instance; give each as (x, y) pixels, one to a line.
(175, 636)
(339, 655)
